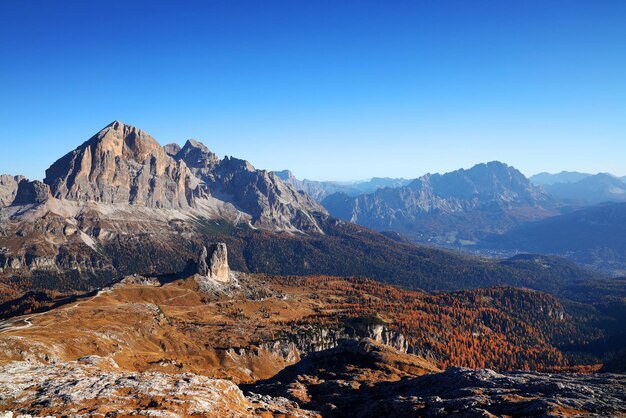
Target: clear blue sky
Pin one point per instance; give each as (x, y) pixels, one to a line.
(330, 89)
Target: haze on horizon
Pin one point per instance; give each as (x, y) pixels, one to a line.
(331, 91)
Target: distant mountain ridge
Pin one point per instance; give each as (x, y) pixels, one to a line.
(543, 179)
(590, 190)
(487, 198)
(320, 189)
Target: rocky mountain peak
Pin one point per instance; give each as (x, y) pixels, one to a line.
(125, 140)
(197, 155)
(122, 164)
(31, 192)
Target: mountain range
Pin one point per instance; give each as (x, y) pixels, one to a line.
(590, 190)
(121, 204)
(147, 279)
(320, 189)
(460, 206)
(485, 207)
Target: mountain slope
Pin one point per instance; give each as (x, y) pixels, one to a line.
(320, 189)
(544, 179)
(259, 193)
(461, 205)
(595, 236)
(590, 190)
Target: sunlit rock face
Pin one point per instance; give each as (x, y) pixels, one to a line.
(213, 263)
(122, 164)
(8, 188)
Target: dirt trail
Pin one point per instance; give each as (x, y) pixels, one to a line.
(10, 324)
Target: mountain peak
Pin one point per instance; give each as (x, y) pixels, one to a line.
(194, 143)
(197, 155)
(171, 149)
(125, 140)
(120, 164)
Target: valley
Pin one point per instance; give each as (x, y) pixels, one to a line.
(291, 339)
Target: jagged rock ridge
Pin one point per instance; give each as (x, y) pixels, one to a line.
(320, 189)
(270, 201)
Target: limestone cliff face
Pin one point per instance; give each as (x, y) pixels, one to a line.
(213, 262)
(272, 203)
(311, 339)
(122, 164)
(8, 188)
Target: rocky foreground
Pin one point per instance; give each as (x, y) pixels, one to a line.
(350, 381)
(354, 379)
(95, 386)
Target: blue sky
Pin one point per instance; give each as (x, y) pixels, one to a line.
(331, 90)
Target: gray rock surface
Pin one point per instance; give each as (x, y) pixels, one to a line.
(96, 386)
(271, 202)
(31, 192)
(8, 188)
(213, 262)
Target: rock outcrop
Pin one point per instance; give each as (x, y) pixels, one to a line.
(171, 149)
(8, 188)
(122, 164)
(368, 380)
(213, 262)
(31, 192)
(310, 339)
(98, 385)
